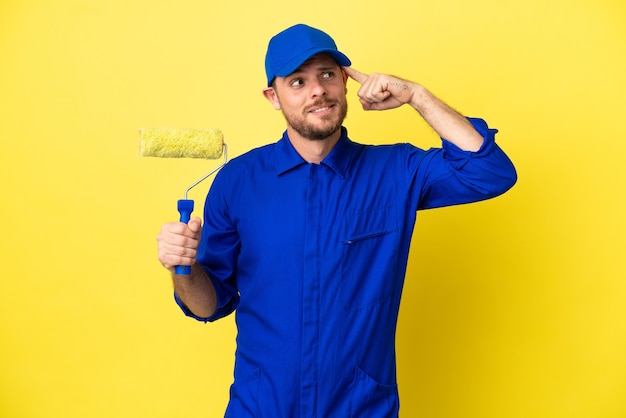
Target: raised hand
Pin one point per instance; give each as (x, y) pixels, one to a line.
(381, 91)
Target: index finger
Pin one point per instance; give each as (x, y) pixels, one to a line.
(357, 76)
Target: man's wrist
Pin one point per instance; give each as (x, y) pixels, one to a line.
(419, 97)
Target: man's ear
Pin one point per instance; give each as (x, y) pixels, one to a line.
(345, 80)
(270, 94)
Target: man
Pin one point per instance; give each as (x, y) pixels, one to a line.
(308, 238)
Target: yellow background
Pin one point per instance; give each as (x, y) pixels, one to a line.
(515, 307)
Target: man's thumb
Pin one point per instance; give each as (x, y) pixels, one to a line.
(195, 224)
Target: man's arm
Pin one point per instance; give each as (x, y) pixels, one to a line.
(178, 245)
(382, 92)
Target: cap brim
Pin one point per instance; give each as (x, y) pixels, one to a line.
(300, 59)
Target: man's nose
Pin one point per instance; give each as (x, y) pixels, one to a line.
(317, 88)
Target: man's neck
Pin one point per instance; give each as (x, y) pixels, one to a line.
(313, 150)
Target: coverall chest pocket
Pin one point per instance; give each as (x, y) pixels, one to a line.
(369, 257)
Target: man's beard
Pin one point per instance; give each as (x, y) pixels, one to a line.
(313, 132)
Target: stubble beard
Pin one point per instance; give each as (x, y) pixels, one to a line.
(314, 132)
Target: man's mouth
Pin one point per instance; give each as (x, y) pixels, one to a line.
(321, 109)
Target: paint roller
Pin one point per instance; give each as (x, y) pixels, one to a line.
(183, 143)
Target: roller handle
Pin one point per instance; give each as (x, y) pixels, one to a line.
(185, 207)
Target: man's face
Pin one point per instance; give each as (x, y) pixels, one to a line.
(313, 98)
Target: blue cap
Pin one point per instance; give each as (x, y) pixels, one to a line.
(289, 49)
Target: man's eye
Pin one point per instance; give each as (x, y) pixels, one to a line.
(296, 83)
(328, 74)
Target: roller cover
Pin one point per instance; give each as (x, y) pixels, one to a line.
(180, 143)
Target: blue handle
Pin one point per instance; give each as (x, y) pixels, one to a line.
(185, 207)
